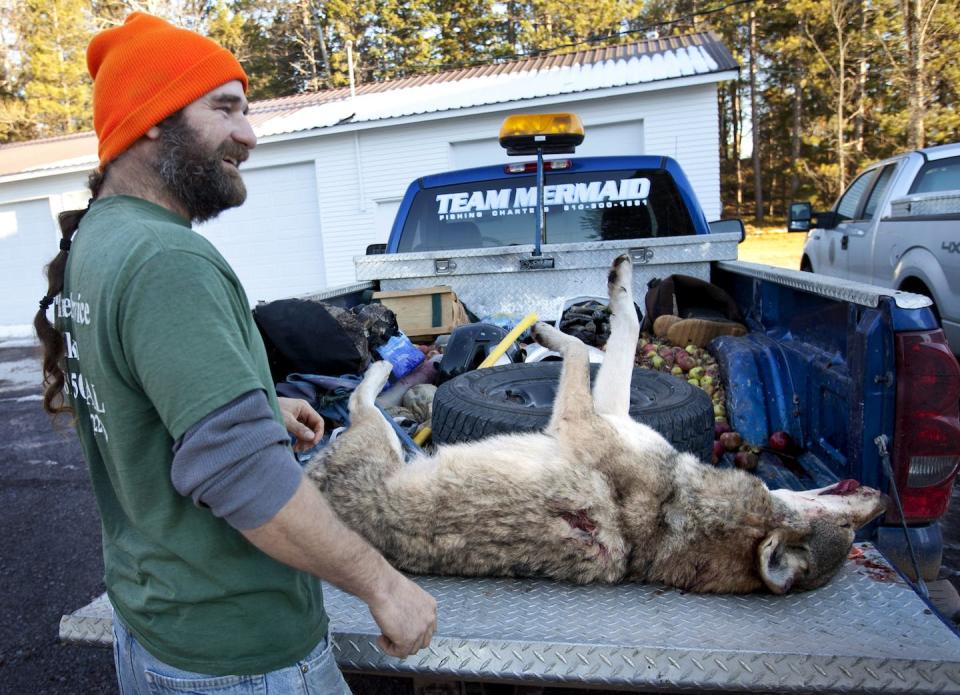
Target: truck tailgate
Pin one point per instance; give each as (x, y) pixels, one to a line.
(865, 632)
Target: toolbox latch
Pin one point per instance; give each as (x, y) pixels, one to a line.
(536, 263)
(444, 266)
(641, 255)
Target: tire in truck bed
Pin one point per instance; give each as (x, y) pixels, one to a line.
(519, 398)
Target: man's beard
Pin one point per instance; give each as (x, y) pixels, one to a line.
(196, 177)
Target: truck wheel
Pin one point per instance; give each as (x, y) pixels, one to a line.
(519, 398)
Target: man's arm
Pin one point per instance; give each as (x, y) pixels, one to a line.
(306, 534)
(235, 461)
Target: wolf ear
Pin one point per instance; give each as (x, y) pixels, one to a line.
(780, 564)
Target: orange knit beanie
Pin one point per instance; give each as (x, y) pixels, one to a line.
(145, 70)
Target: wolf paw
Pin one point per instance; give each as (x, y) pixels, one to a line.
(620, 283)
(548, 336)
(377, 374)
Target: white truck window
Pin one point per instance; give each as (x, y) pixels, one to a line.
(879, 191)
(937, 176)
(850, 201)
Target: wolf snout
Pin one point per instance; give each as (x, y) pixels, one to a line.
(865, 501)
(868, 504)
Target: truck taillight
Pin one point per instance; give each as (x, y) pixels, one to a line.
(531, 167)
(926, 449)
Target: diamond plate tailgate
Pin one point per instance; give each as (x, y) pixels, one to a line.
(864, 632)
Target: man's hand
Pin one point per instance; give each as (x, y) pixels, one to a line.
(302, 421)
(307, 535)
(406, 615)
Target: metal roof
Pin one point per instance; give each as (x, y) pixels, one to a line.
(592, 69)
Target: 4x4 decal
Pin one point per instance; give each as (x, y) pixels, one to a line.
(951, 247)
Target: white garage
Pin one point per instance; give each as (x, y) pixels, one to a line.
(331, 167)
(28, 240)
(273, 241)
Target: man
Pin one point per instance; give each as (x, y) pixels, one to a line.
(213, 540)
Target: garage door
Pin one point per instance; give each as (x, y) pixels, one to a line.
(273, 239)
(28, 241)
(600, 140)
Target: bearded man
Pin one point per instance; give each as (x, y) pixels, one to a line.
(213, 540)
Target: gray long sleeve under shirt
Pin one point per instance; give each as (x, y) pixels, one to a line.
(236, 462)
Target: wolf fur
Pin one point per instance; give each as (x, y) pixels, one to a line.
(595, 497)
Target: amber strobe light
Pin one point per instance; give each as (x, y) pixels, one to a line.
(552, 133)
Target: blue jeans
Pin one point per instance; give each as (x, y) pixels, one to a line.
(139, 673)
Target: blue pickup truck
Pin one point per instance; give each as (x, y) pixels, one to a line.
(860, 377)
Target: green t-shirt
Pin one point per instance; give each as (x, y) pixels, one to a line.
(159, 334)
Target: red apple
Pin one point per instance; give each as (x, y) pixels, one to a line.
(731, 440)
(684, 360)
(780, 441)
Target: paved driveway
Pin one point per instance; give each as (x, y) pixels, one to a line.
(50, 560)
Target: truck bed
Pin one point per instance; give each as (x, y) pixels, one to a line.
(865, 632)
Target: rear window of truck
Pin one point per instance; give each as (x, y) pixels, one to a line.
(580, 206)
(938, 176)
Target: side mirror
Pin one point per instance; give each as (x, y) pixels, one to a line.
(729, 227)
(799, 217)
(376, 249)
(826, 220)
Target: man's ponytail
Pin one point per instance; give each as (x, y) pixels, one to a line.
(51, 339)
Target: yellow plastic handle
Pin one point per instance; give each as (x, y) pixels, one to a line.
(509, 340)
(422, 436)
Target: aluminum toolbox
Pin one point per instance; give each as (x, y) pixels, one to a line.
(926, 204)
(510, 280)
(864, 632)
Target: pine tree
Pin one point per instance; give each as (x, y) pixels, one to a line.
(470, 31)
(560, 24)
(54, 36)
(404, 31)
(15, 123)
(240, 27)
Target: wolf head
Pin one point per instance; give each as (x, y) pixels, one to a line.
(724, 531)
(813, 533)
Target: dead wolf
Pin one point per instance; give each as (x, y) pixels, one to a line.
(595, 497)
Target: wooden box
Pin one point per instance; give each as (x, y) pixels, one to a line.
(424, 312)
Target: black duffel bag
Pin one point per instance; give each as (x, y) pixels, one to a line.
(311, 337)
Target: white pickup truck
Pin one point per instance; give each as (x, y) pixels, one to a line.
(897, 225)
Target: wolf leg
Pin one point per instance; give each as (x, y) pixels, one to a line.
(611, 391)
(579, 422)
(572, 406)
(369, 449)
